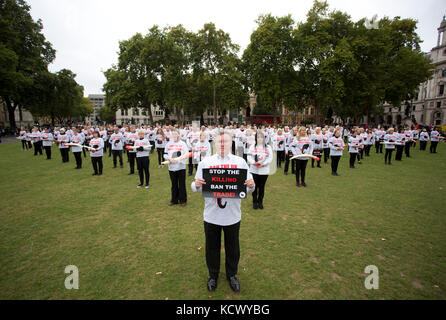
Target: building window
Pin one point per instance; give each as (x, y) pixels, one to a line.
(135, 111)
(122, 112)
(441, 89)
(414, 108)
(439, 104)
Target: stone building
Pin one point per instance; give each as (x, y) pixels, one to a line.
(429, 106)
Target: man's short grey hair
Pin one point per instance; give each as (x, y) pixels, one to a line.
(223, 131)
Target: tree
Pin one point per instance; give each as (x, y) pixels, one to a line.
(24, 53)
(270, 60)
(214, 58)
(57, 96)
(107, 114)
(136, 80)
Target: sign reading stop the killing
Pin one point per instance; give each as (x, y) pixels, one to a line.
(224, 183)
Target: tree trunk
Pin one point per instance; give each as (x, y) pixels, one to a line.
(215, 103)
(149, 108)
(11, 115)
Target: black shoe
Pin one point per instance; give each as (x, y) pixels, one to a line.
(212, 284)
(285, 173)
(94, 174)
(172, 204)
(333, 174)
(319, 167)
(114, 167)
(130, 173)
(260, 205)
(234, 284)
(183, 204)
(297, 184)
(139, 185)
(304, 184)
(254, 205)
(121, 166)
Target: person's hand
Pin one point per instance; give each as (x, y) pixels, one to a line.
(250, 183)
(173, 160)
(199, 183)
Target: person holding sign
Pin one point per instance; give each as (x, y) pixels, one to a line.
(301, 146)
(260, 156)
(173, 150)
(96, 147)
(142, 147)
(227, 175)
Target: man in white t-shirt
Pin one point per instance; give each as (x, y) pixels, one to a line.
(222, 214)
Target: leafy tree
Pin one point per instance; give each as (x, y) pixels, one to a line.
(215, 58)
(270, 60)
(24, 53)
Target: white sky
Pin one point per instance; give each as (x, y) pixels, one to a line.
(86, 33)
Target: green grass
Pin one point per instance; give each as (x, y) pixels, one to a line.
(311, 243)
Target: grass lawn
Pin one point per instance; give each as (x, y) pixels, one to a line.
(311, 243)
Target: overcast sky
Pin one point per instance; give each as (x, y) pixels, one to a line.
(86, 33)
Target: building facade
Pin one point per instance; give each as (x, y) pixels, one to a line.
(98, 101)
(429, 106)
(23, 118)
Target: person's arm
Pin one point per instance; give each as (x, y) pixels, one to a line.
(198, 182)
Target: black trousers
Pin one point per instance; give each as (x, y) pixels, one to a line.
(30, 146)
(212, 234)
(64, 152)
(190, 166)
(132, 156)
(423, 145)
(178, 190)
(287, 163)
(259, 191)
(367, 150)
(335, 163)
(160, 155)
(361, 154)
(78, 157)
(97, 164)
(381, 147)
(109, 148)
(301, 167)
(326, 154)
(48, 152)
(353, 156)
(117, 153)
(84, 152)
(407, 148)
(245, 156)
(280, 158)
(388, 156)
(433, 147)
(24, 145)
(377, 144)
(143, 169)
(38, 148)
(399, 153)
(319, 155)
(233, 147)
(152, 143)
